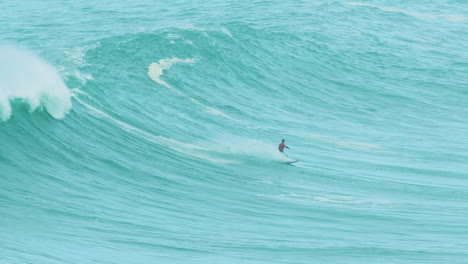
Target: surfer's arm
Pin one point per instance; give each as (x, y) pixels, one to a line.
(287, 147)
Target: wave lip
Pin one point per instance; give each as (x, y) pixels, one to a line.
(26, 77)
(156, 70)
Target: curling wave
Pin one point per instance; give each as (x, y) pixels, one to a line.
(24, 77)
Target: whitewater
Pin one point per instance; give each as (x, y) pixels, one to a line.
(148, 132)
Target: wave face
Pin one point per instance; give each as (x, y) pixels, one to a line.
(157, 140)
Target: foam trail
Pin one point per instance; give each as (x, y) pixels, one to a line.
(185, 148)
(250, 148)
(156, 70)
(27, 78)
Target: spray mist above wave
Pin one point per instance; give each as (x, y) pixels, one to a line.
(27, 78)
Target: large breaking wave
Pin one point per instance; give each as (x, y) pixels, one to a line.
(26, 78)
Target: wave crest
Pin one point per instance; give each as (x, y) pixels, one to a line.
(156, 70)
(27, 78)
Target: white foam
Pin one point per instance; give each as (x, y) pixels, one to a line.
(27, 78)
(226, 31)
(317, 3)
(5, 107)
(250, 148)
(204, 30)
(77, 55)
(83, 77)
(156, 70)
(189, 149)
(172, 36)
(455, 18)
(193, 27)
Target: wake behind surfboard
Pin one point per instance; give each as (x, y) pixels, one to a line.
(287, 159)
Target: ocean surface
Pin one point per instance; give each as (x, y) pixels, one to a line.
(147, 131)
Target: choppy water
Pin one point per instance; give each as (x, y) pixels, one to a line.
(142, 132)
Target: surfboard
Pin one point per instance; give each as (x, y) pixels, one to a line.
(291, 162)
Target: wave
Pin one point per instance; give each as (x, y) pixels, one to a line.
(188, 149)
(374, 122)
(334, 199)
(249, 147)
(346, 144)
(26, 78)
(156, 70)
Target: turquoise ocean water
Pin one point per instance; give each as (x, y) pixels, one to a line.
(147, 131)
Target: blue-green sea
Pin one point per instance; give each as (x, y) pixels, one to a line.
(135, 132)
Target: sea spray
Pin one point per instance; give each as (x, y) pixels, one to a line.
(24, 77)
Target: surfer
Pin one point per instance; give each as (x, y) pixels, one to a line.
(281, 149)
(282, 146)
